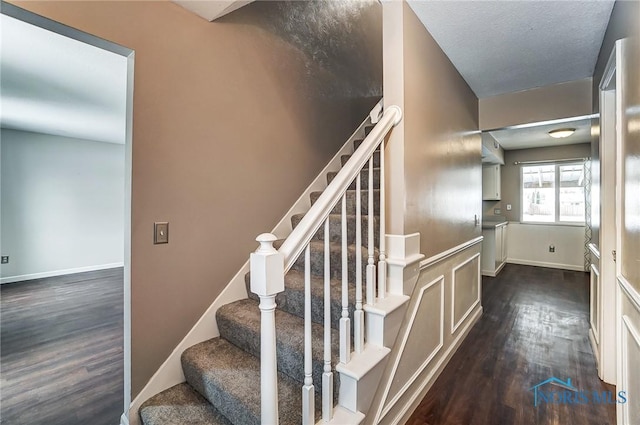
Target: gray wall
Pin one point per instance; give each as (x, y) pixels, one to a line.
(62, 204)
(233, 119)
(435, 152)
(511, 174)
(623, 23)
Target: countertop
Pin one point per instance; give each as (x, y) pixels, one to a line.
(492, 224)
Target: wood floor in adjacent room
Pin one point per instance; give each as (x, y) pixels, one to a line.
(62, 350)
(534, 326)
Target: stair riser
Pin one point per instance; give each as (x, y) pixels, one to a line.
(335, 229)
(376, 160)
(351, 202)
(364, 179)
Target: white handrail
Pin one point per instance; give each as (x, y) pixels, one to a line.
(300, 237)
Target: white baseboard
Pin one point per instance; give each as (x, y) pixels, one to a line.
(124, 420)
(170, 372)
(42, 275)
(573, 267)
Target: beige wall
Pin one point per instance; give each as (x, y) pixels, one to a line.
(562, 100)
(232, 120)
(510, 174)
(441, 148)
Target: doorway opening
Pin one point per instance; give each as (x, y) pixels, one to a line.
(66, 123)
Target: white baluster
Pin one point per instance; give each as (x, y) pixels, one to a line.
(267, 279)
(371, 268)
(327, 376)
(345, 321)
(382, 263)
(308, 401)
(358, 315)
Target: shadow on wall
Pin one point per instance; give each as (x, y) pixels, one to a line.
(334, 37)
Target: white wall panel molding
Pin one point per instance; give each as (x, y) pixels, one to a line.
(394, 370)
(424, 344)
(456, 322)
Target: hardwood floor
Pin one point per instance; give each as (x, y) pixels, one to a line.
(62, 350)
(534, 326)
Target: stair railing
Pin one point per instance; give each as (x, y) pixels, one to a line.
(268, 267)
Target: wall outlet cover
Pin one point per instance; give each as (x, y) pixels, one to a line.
(497, 211)
(5, 259)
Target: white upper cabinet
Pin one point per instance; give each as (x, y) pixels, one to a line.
(491, 182)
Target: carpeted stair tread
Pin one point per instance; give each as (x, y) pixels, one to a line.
(335, 228)
(239, 323)
(376, 160)
(292, 299)
(180, 404)
(351, 202)
(364, 179)
(316, 249)
(229, 378)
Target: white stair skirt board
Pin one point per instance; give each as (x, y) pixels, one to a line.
(12, 279)
(384, 318)
(170, 372)
(359, 378)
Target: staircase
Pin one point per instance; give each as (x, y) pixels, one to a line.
(223, 374)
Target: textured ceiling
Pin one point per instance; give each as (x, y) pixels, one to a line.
(504, 46)
(536, 136)
(53, 84)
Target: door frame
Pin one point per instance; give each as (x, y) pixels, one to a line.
(609, 146)
(16, 12)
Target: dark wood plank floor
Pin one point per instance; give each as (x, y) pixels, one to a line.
(62, 350)
(534, 326)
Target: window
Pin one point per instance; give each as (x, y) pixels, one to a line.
(553, 193)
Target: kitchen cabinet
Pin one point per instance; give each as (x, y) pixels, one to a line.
(491, 182)
(494, 247)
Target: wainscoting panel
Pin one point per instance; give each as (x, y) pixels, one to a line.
(465, 291)
(422, 342)
(446, 297)
(630, 356)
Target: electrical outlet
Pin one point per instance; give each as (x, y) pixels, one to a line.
(497, 211)
(508, 207)
(160, 233)
(5, 259)
(552, 248)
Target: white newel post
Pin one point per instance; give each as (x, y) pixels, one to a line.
(267, 280)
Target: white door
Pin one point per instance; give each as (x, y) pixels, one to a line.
(628, 227)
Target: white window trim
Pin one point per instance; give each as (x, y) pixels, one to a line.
(556, 219)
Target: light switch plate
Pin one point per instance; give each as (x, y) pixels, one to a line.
(508, 207)
(160, 232)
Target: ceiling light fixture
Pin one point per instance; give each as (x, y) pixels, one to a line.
(561, 133)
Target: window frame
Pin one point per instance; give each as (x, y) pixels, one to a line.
(556, 219)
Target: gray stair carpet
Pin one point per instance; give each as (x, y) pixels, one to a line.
(223, 374)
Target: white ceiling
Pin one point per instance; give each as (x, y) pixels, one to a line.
(503, 46)
(56, 85)
(536, 136)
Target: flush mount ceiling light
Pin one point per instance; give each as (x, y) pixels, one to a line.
(561, 133)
